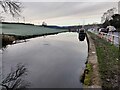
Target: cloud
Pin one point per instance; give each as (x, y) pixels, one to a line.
(69, 0)
(47, 10)
(67, 12)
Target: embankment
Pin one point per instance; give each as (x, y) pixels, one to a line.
(102, 68)
(108, 59)
(9, 38)
(91, 78)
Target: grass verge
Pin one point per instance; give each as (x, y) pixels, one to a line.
(108, 62)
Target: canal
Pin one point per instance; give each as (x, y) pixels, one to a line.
(53, 61)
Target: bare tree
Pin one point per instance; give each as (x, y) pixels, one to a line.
(44, 24)
(14, 79)
(1, 18)
(107, 16)
(14, 7)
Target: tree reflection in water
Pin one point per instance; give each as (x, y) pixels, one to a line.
(14, 80)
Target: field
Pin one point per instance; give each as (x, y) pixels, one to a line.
(24, 30)
(14, 31)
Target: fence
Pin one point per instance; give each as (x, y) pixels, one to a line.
(112, 37)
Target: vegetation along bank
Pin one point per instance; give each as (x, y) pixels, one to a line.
(106, 64)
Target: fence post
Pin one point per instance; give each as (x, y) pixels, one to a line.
(113, 37)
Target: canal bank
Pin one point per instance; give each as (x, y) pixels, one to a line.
(13, 39)
(15, 32)
(91, 77)
(107, 65)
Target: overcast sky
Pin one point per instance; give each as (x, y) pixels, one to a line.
(65, 13)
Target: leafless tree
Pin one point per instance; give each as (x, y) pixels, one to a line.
(13, 7)
(107, 16)
(44, 24)
(14, 79)
(1, 18)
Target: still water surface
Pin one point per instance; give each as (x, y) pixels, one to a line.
(54, 61)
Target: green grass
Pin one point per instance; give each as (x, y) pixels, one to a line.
(88, 74)
(14, 32)
(27, 30)
(108, 62)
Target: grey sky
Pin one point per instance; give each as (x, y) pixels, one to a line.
(65, 13)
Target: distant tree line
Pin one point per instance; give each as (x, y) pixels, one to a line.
(44, 24)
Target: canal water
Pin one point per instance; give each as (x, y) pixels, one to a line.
(54, 61)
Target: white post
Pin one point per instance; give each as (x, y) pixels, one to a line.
(113, 37)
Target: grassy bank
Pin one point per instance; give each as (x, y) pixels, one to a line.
(8, 39)
(108, 62)
(15, 31)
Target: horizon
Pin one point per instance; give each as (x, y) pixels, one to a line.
(47, 24)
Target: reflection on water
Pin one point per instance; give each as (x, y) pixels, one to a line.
(82, 36)
(55, 61)
(0, 67)
(14, 79)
